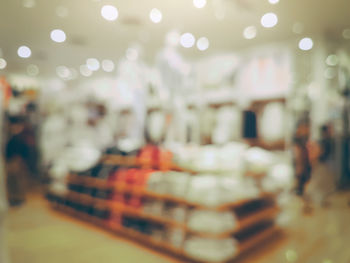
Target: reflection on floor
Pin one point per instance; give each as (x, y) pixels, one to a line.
(37, 234)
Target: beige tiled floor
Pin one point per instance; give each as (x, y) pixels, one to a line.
(38, 234)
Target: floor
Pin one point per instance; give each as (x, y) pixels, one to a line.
(38, 234)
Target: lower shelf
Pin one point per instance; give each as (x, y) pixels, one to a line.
(253, 239)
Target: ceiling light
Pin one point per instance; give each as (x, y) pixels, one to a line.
(187, 40)
(58, 35)
(109, 12)
(249, 32)
(3, 63)
(155, 15)
(29, 3)
(306, 43)
(93, 64)
(132, 54)
(32, 70)
(202, 43)
(298, 28)
(63, 72)
(346, 33)
(332, 60)
(107, 65)
(269, 20)
(62, 11)
(24, 52)
(273, 2)
(199, 3)
(85, 71)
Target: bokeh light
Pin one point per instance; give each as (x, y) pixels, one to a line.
(202, 43)
(269, 20)
(24, 52)
(249, 32)
(155, 15)
(58, 35)
(109, 12)
(187, 40)
(306, 44)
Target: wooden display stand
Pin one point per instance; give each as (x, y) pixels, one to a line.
(255, 217)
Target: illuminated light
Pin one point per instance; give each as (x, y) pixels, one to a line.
(273, 2)
(62, 11)
(132, 54)
(332, 60)
(187, 40)
(107, 65)
(32, 70)
(63, 72)
(85, 71)
(306, 44)
(58, 35)
(173, 38)
(346, 33)
(202, 43)
(24, 52)
(298, 28)
(29, 3)
(109, 12)
(249, 32)
(93, 64)
(291, 256)
(3, 63)
(155, 15)
(327, 261)
(269, 20)
(330, 73)
(199, 3)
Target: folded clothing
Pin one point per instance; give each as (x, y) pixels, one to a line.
(211, 221)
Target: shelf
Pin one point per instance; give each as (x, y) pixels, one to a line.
(140, 214)
(86, 199)
(123, 188)
(88, 181)
(268, 213)
(252, 241)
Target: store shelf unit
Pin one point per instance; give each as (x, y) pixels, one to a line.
(254, 216)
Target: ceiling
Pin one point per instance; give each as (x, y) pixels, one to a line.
(89, 35)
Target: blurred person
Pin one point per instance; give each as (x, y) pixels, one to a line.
(16, 153)
(323, 182)
(305, 153)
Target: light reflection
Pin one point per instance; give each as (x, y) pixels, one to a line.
(93, 64)
(202, 43)
(346, 33)
(187, 40)
(269, 20)
(32, 70)
(107, 65)
(24, 52)
(199, 3)
(332, 60)
(306, 44)
(155, 15)
(3, 63)
(249, 32)
(58, 35)
(109, 12)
